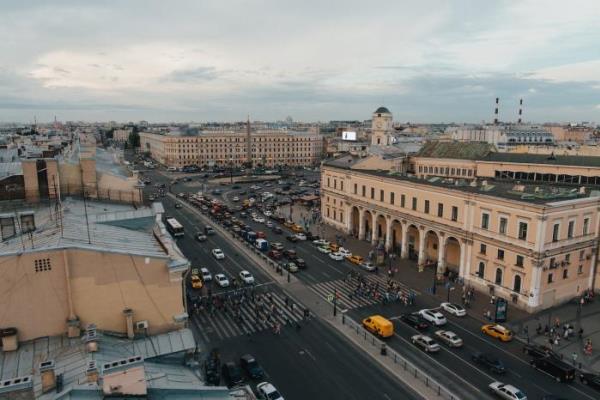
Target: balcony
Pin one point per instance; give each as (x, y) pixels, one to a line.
(568, 241)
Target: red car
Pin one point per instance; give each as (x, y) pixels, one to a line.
(261, 235)
(274, 254)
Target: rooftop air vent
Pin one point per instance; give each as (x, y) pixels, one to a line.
(18, 383)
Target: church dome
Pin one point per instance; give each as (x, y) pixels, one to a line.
(382, 110)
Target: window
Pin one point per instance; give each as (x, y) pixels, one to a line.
(565, 273)
(500, 254)
(555, 231)
(440, 210)
(328, 183)
(580, 269)
(485, 221)
(364, 191)
(355, 188)
(523, 230)
(42, 264)
(498, 279)
(550, 278)
(481, 270)
(334, 215)
(502, 226)
(341, 185)
(568, 258)
(586, 225)
(581, 255)
(328, 213)
(517, 284)
(402, 200)
(381, 195)
(482, 248)
(414, 203)
(426, 206)
(392, 197)
(335, 183)
(373, 193)
(519, 262)
(454, 213)
(570, 229)
(341, 216)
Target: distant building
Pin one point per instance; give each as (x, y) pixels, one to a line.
(503, 136)
(121, 135)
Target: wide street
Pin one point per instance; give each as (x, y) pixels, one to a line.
(313, 362)
(338, 363)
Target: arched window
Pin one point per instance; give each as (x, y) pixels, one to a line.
(498, 276)
(517, 284)
(481, 270)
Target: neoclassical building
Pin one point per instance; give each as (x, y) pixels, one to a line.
(532, 243)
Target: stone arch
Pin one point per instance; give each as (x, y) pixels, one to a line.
(413, 239)
(368, 224)
(452, 254)
(396, 239)
(432, 243)
(517, 283)
(380, 228)
(354, 221)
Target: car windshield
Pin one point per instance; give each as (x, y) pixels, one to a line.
(520, 395)
(274, 395)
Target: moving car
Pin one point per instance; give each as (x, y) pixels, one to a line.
(321, 242)
(454, 309)
(355, 259)
(414, 320)
(489, 361)
(300, 263)
(235, 198)
(277, 230)
(277, 246)
(206, 275)
(259, 220)
(177, 205)
(266, 391)
(505, 391)
(426, 343)
(222, 280)
(557, 369)
(202, 237)
(592, 380)
(497, 331)
(336, 256)
(218, 254)
(292, 238)
(246, 277)
(449, 337)
(379, 326)
(251, 366)
(274, 254)
(324, 249)
(290, 254)
(196, 282)
(367, 266)
(232, 374)
(291, 266)
(209, 231)
(345, 252)
(300, 236)
(433, 316)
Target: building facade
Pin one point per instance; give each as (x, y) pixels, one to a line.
(534, 246)
(268, 148)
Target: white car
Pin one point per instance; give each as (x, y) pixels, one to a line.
(266, 391)
(260, 220)
(508, 392)
(300, 236)
(324, 249)
(433, 316)
(206, 275)
(321, 242)
(235, 198)
(449, 337)
(267, 213)
(269, 224)
(345, 252)
(246, 277)
(336, 256)
(454, 309)
(222, 280)
(367, 266)
(426, 343)
(218, 254)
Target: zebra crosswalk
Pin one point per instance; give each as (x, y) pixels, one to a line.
(220, 325)
(348, 298)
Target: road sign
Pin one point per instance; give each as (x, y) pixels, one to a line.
(329, 297)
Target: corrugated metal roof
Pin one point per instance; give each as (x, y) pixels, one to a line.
(456, 150)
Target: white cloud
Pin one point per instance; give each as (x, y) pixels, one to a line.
(587, 71)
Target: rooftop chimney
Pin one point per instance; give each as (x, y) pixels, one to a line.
(128, 312)
(91, 372)
(47, 375)
(496, 111)
(520, 110)
(10, 340)
(90, 338)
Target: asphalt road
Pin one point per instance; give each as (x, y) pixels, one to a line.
(451, 366)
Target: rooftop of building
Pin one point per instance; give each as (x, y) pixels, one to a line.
(382, 110)
(455, 150)
(543, 193)
(112, 227)
(165, 376)
(524, 158)
(228, 132)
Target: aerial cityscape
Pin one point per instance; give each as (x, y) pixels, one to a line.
(270, 200)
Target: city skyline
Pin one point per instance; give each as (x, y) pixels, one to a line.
(428, 62)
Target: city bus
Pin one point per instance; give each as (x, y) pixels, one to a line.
(174, 227)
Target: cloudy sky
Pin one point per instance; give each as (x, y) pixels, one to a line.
(427, 60)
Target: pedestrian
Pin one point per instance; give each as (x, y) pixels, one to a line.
(574, 357)
(493, 299)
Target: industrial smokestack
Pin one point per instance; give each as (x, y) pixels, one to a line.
(496, 111)
(520, 110)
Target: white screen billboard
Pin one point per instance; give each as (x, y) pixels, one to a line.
(348, 135)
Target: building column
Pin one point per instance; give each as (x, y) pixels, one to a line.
(361, 225)
(441, 253)
(421, 246)
(388, 235)
(404, 245)
(348, 213)
(374, 230)
(534, 287)
(462, 261)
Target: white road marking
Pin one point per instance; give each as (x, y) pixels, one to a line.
(310, 354)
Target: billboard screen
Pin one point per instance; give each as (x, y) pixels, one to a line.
(348, 135)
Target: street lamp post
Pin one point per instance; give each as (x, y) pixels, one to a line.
(450, 288)
(433, 288)
(288, 276)
(335, 302)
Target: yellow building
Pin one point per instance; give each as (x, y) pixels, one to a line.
(266, 148)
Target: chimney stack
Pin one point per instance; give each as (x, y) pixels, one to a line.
(496, 111)
(48, 376)
(90, 339)
(10, 341)
(91, 372)
(520, 110)
(128, 312)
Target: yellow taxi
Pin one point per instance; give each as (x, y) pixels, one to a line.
(297, 228)
(355, 259)
(497, 331)
(334, 247)
(196, 282)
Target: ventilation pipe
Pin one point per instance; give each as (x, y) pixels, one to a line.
(128, 312)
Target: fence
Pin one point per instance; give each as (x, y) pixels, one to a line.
(398, 360)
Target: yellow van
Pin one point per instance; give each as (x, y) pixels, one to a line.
(379, 326)
(297, 228)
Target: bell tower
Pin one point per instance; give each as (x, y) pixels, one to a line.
(381, 128)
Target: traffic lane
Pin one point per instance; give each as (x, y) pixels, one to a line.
(317, 363)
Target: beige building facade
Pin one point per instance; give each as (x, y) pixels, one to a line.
(535, 247)
(269, 149)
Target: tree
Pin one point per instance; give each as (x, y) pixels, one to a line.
(134, 139)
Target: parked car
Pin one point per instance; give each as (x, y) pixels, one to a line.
(454, 309)
(246, 277)
(196, 282)
(336, 256)
(489, 361)
(222, 280)
(324, 249)
(450, 338)
(212, 368)
(274, 254)
(592, 380)
(300, 236)
(232, 374)
(345, 252)
(505, 391)
(414, 320)
(300, 263)
(290, 254)
(218, 254)
(433, 316)
(277, 246)
(290, 266)
(426, 343)
(355, 259)
(557, 369)
(251, 366)
(266, 391)
(321, 242)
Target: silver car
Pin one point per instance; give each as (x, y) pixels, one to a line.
(426, 343)
(505, 391)
(449, 337)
